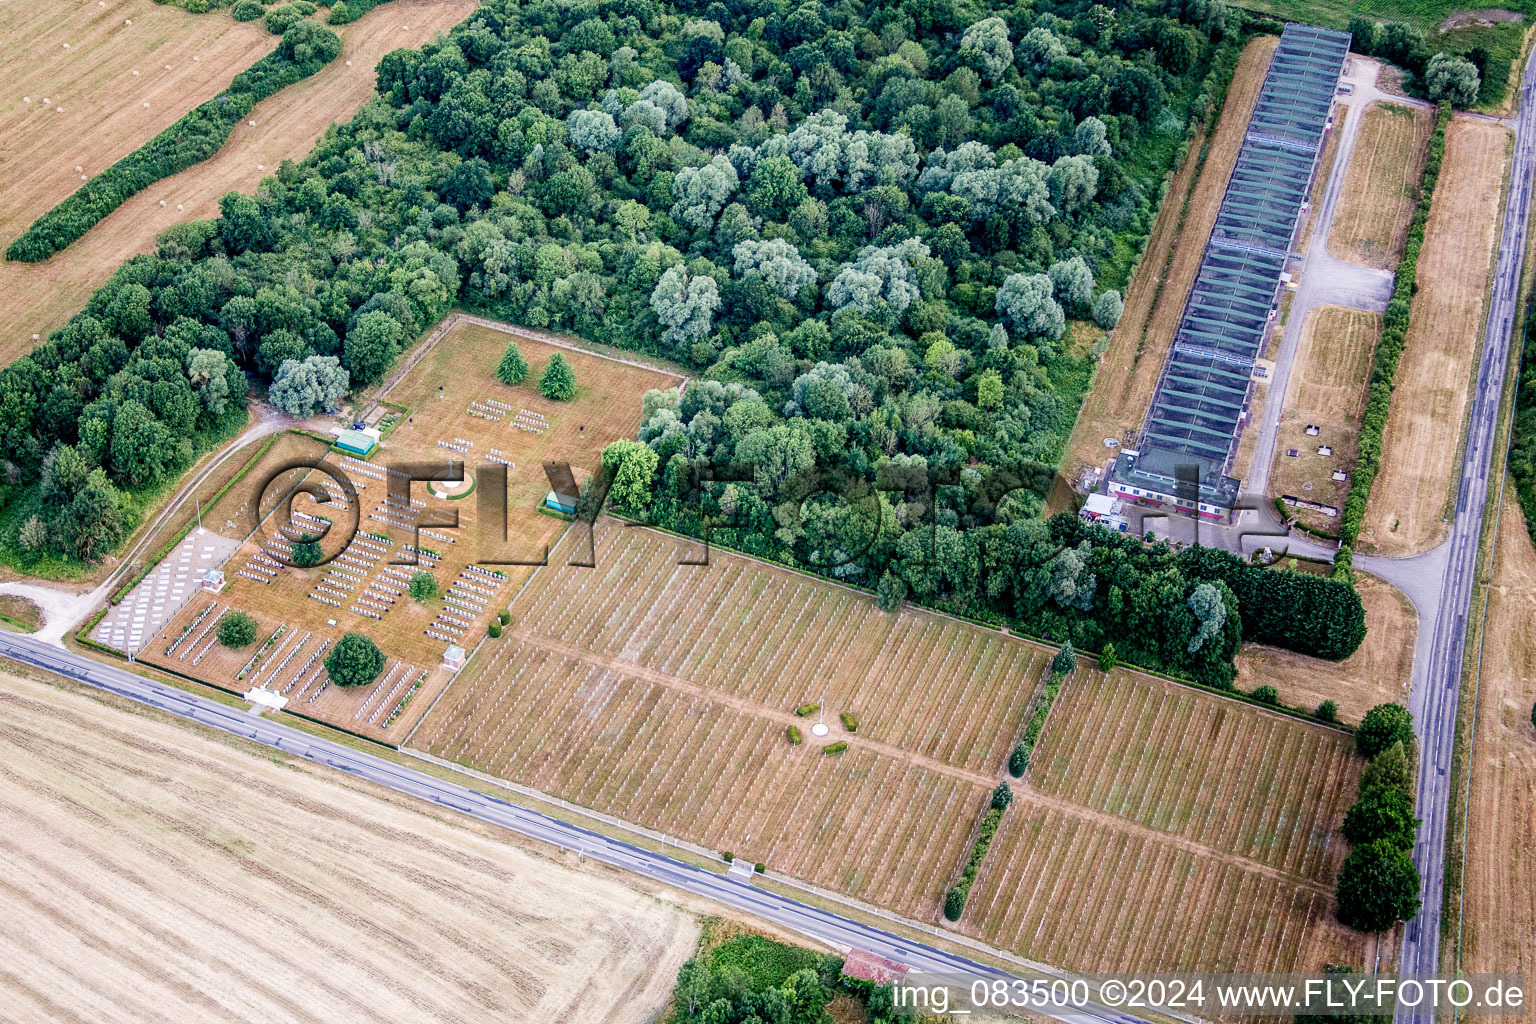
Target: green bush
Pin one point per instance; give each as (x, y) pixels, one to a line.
(1018, 761)
(423, 586)
(954, 902)
(835, 748)
(807, 709)
(197, 6)
(341, 13)
(1327, 711)
(237, 629)
(354, 661)
(494, 630)
(793, 734)
(760, 868)
(304, 7)
(306, 552)
(728, 856)
(1002, 796)
(513, 368)
(195, 137)
(849, 722)
(1266, 694)
(281, 18)
(558, 382)
(504, 617)
(1382, 726)
(1107, 657)
(247, 10)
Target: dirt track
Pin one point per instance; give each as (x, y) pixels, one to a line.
(41, 297)
(153, 874)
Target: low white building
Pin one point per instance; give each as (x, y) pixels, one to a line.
(1106, 510)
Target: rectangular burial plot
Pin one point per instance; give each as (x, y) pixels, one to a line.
(662, 693)
(1161, 828)
(1258, 785)
(1381, 185)
(1421, 447)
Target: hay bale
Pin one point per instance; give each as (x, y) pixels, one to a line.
(135, 74)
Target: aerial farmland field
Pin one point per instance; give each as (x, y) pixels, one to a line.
(662, 693)
(105, 116)
(141, 858)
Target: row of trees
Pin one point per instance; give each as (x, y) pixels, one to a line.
(1379, 885)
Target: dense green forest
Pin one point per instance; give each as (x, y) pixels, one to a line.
(880, 232)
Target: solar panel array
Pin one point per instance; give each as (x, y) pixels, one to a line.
(1196, 411)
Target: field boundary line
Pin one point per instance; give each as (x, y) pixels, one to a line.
(948, 935)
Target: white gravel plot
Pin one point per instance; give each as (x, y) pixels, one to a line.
(164, 592)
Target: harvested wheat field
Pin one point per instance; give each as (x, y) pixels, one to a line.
(662, 693)
(1128, 372)
(43, 296)
(1420, 450)
(1378, 673)
(1332, 383)
(1174, 860)
(157, 874)
(1381, 185)
(1500, 879)
(104, 116)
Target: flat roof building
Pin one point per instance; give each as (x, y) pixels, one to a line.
(355, 441)
(1186, 446)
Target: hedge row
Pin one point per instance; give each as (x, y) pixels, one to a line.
(344, 11)
(198, 135)
(1522, 437)
(1018, 761)
(1389, 352)
(954, 899)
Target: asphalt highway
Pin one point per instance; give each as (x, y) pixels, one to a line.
(1434, 704)
(804, 919)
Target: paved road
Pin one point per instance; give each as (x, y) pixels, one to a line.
(1434, 704)
(814, 922)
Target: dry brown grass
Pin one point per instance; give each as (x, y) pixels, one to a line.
(108, 121)
(1127, 374)
(1380, 188)
(154, 873)
(1500, 877)
(20, 610)
(1421, 447)
(1379, 672)
(661, 692)
(1332, 383)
